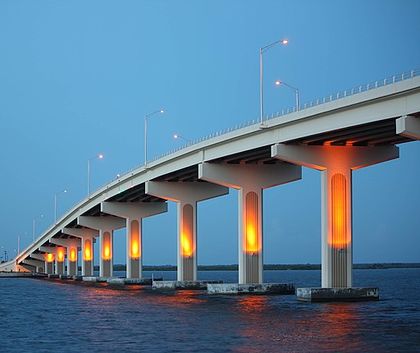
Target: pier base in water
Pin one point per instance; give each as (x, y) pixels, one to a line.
(179, 285)
(253, 288)
(337, 294)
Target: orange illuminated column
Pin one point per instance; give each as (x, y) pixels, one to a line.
(105, 269)
(187, 269)
(59, 260)
(134, 248)
(251, 236)
(337, 222)
(72, 260)
(87, 256)
(49, 263)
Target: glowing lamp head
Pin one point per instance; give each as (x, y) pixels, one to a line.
(100, 156)
(176, 136)
(161, 111)
(284, 42)
(277, 82)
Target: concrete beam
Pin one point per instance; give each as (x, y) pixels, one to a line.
(81, 232)
(99, 223)
(408, 126)
(237, 175)
(320, 157)
(185, 191)
(40, 257)
(35, 263)
(66, 242)
(48, 249)
(134, 210)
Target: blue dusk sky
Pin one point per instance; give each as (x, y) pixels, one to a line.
(77, 78)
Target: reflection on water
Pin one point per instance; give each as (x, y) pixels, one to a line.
(42, 316)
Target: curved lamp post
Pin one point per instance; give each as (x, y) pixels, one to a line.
(279, 83)
(55, 202)
(146, 117)
(262, 51)
(98, 156)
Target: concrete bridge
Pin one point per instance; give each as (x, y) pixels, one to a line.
(336, 136)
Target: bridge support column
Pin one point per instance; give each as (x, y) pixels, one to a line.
(87, 241)
(134, 212)
(71, 245)
(37, 262)
(250, 180)
(336, 164)
(49, 258)
(59, 260)
(186, 195)
(106, 227)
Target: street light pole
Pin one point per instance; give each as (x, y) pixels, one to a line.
(55, 203)
(297, 96)
(99, 156)
(34, 226)
(262, 51)
(146, 117)
(178, 136)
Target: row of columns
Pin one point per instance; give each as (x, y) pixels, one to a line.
(335, 162)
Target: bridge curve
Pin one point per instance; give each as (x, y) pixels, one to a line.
(370, 123)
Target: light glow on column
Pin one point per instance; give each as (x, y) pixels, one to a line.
(49, 257)
(87, 252)
(339, 238)
(73, 255)
(187, 246)
(135, 240)
(106, 246)
(60, 254)
(252, 244)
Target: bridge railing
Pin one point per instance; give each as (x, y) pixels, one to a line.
(332, 97)
(316, 102)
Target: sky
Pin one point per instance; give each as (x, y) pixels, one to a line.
(78, 77)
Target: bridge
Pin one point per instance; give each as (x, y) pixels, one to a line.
(336, 136)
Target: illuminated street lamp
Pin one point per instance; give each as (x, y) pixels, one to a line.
(180, 137)
(55, 202)
(98, 156)
(262, 51)
(34, 226)
(146, 117)
(279, 83)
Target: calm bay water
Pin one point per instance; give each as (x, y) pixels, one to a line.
(44, 316)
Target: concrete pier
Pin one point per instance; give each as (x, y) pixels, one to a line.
(180, 285)
(130, 281)
(337, 294)
(255, 289)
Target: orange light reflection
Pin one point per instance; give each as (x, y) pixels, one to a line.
(60, 254)
(49, 257)
(88, 250)
(73, 255)
(187, 249)
(338, 238)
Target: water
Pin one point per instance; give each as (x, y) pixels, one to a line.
(43, 316)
